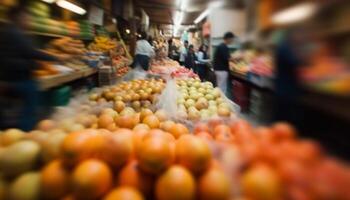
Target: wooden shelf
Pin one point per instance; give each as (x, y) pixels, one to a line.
(48, 82)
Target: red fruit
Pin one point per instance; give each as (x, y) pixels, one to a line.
(201, 127)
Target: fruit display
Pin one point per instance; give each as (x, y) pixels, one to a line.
(45, 69)
(277, 165)
(122, 70)
(115, 144)
(260, 63)
(183, 72)
(200, 100)
(103, 44)
(40, 21)
(163, 66)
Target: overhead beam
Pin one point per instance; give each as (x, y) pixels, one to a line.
(157, 6)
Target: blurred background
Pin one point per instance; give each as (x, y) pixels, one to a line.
(289, 59)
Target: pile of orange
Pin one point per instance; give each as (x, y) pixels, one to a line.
(135, 164)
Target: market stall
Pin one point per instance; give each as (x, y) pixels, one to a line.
(161, 134)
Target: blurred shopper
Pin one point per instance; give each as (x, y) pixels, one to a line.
(183, 53)
(172, 51)
(17, 58)
(288, 61)
(190, 59)
(143, 53)
(202, 61)
(221, 61)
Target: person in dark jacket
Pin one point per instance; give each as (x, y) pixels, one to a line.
(203, 61)
(190, 60)
(18, 59)
(221, 61)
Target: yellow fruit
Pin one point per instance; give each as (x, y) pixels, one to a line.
(19, 158)
(25, 187)
(10, 136)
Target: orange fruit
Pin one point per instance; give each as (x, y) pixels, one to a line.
(261, 183)
(177, 183)
(225, 137)
(160, 133)
(81, 145)
(204, 135)
(141, 127)
(221, 129)
(127, 121)
(166, 126)
(152, 121)
(145, 112)
(193, 153)
(105, 120)
(214, 185)
(54, 180)
(201, 127)
(131, 175)
(155, 154)
(91, 179)
(124, 193)
(138, 136)
(284, 130)
(161, 115)
(118, 148)
(178, 129)
(46, 125)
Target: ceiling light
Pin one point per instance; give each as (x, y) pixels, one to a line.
(70, 6)
(49, 1)
(294, 14)
(203, 15)
(127, 31)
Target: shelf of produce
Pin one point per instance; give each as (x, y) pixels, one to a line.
(48, 82)
(55, 35)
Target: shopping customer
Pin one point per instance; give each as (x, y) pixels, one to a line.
(143, 53)
(183, 53)
(202, 61)
(18, 59)
(221, 61)
(190, 59)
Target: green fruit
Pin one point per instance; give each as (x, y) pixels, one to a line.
(19, 158)
(26, 187)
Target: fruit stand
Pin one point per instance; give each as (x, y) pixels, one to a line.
(138, 149)
(161, 134)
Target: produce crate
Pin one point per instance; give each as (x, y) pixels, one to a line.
(241, 94)
(261, 106)
(106, 76)
(262, 81)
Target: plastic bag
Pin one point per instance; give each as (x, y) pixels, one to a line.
(136, 73)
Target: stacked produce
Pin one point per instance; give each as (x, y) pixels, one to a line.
(45, 69)
(183, 72)
(277, 165)
(163, 66)
(120, 61)
(41, 22)
(129, 152)
(86, 29)
(102, 44)
(250, 61)
(200, 100)
(69, 51)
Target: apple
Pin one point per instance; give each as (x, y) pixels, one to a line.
(216, 92)
(201, 103)
(189, 103)
(209, 97)
(224, 112)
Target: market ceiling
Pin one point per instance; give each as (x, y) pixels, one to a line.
(165, 11)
